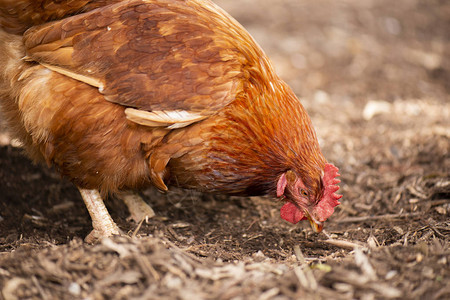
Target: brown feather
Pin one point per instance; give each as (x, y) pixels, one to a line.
(68, 106)
(16, 16)
(146, 55)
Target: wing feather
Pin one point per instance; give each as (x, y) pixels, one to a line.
(173, 62)
(170, 119)
(86, 79)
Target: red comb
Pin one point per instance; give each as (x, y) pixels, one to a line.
(325, 207)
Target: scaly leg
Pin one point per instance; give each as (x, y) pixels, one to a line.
(102, 222)
(138, 208)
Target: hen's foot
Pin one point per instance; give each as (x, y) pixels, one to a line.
(138, 208)
(102, 222)
(96, 235)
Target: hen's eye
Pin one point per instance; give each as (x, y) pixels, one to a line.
(304, 193)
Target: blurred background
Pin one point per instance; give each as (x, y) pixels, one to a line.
(354, 50)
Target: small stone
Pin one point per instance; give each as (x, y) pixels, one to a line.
(75, 289)
(399, 230)
(374, 108)
(419, 257)
(321, 97)
(391, 274)
(441, 210)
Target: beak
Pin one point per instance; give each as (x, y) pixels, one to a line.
(315, 225)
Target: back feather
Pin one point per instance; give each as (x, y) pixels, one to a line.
(16, 16)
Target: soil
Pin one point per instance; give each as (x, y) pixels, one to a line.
(375, 79)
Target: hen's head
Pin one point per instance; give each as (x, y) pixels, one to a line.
(306, 202)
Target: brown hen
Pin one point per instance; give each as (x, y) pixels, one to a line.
(121, 95)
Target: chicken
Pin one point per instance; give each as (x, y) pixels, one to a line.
(122, 95)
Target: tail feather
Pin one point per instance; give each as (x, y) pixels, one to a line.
(16, 16)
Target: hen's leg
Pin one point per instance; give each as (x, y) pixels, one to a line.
(138, 208)
(102, 222)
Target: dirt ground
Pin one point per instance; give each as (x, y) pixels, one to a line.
(375, 78)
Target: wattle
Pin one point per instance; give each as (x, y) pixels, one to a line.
(291, 213)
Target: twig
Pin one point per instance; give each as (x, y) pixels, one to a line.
(137, 228)
(438, 202)
(301, 277)
(39, 287)
(299, 255)
(437, 232)
(270, 294)
(364, 264)
(177, 249)
(146, 266)
(379, 217)
(304, 273)
(343, 244)
(441, 292)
